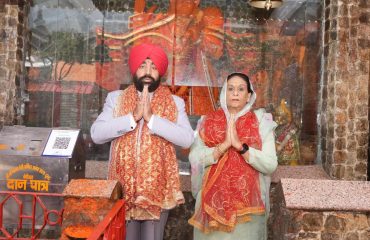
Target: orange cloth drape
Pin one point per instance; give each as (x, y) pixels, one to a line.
(146, 163)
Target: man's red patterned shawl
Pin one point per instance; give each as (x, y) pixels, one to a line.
(146, 163)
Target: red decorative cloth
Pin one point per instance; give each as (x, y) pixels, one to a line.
(231, 189)
(143, 51)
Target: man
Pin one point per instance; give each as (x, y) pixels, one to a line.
(143, 122)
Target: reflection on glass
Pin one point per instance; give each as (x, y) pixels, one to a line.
(80, 50)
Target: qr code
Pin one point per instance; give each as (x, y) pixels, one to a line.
(61, 142)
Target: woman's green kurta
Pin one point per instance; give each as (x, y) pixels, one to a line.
(264, 161)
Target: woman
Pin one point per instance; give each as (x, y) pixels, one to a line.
(232, 158)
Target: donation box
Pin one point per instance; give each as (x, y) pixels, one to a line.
(40, 160)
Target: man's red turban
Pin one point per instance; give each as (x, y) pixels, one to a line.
(143, 51)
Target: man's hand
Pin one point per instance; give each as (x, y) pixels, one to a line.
(147, 113)
(139, 110)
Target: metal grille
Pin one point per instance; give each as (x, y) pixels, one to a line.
(47, 218)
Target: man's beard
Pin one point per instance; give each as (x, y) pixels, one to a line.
(139, 83)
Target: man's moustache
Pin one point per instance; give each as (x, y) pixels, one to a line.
(144, 77)
(139, 83)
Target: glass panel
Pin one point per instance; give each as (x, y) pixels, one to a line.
(80, 53)
(61, 66)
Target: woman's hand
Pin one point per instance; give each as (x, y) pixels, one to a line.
(225, 145)
(232, 138)
(235, 141)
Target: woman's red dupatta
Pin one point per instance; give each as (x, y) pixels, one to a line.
(231, 189)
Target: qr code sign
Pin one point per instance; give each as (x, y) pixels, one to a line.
(61, 142)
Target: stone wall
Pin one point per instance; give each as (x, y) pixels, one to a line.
(318, 209)
(295, 172)
(13, 18)
(345, 92)
(298, 224)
